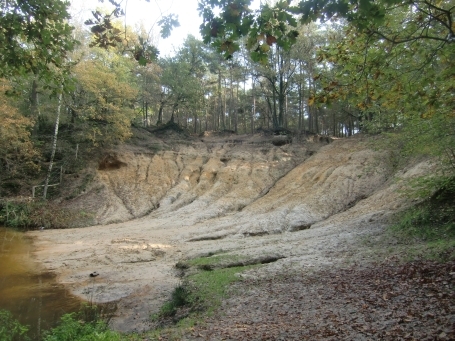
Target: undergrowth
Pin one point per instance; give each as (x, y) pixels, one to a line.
(90, 323)
(11, 329)
(432, 222)
(71, 328)
(32, 214)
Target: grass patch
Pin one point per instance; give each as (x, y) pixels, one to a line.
(200, 295)
(424, 231)
(201, 292)
(208, 289)
(90, 323)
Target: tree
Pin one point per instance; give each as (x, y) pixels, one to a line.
(236, 20)
(104, 97)
(407, 86)
(431, 20)
(150, 90)
(34, 36)
(54, 141)
(183, 80)
(17, 153)
(278, 73)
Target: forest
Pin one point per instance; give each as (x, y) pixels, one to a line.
(330, 68)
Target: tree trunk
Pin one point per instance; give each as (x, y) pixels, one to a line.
(231, 100)
(220, 101)
(253, 111)
(160, 113)
(54, 142)
(34, 106)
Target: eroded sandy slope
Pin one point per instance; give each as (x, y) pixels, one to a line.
(306, 202)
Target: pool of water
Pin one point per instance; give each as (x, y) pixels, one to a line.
(32, 295)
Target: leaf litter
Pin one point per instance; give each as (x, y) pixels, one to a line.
(390, 300)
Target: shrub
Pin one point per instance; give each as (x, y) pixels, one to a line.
(178, 299)
(434, 218)
(15, 214)
(71, 328)
(11, 329)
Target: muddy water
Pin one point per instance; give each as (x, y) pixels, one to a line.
(33, 296)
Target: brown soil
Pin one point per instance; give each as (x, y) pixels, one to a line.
(157, 203)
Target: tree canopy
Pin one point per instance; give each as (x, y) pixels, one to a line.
(34, 35)
(331, 67)
(235, 20)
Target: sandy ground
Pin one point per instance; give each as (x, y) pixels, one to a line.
(310, 203)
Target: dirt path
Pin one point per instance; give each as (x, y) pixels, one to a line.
(246, 199)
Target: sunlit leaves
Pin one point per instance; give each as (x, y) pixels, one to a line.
(17, 153)
(104, 98)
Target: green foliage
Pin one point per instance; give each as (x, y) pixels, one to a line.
(424, 223)
(272, 24)
(202, 292)
(11, 329)
(179, 297)
(199, 295)
(437, 188)
(34, 34)
(276, 24)
(71, 328)
(16, 215)
(167, 23)
(393, 86)
(183, 77)
(215, 260)
(89, 324)
(433, 219)
(208, 288)
(104, 98)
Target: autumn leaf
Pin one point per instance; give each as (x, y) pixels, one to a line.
(270, 40)
(311, 100)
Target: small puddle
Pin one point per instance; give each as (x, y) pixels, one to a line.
(33, 297)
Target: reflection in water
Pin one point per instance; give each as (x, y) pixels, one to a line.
(34, 298)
